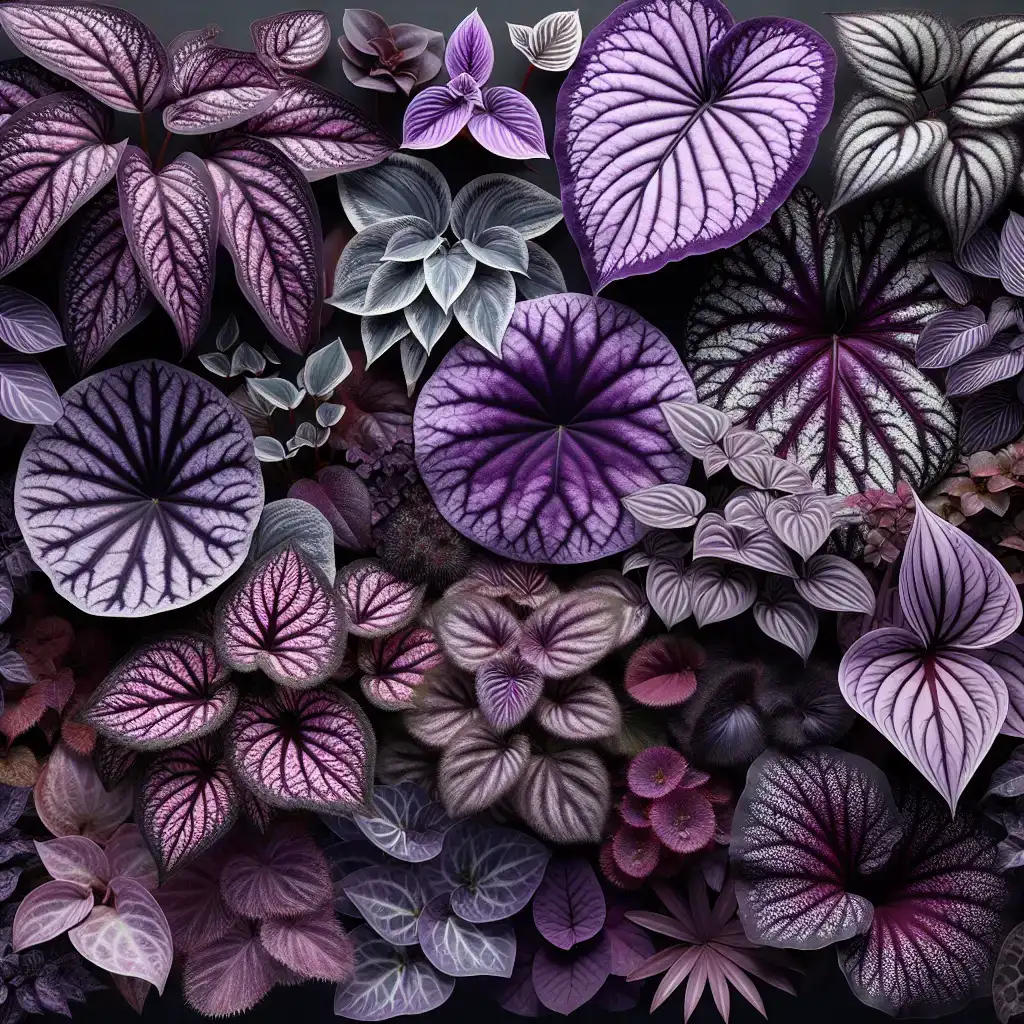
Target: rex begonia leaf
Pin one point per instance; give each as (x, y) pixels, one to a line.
(837, 392)
(293, 40)
(144, 496)
(737, 114)
(462, 948)
(394, 666)
(569, 907)
(509, 448)
(405, 822)
(376, 601)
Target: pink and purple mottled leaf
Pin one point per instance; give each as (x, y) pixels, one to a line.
(569, 906)
(394, 666)
(377, 602)
(50, 910)
(293, 40)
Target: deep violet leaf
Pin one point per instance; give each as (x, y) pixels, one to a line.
(565, 981)
(463, 949)
(569, 634)
(444, 704)
(54, 158)
(270, 225)
(311, 749)
(478, 767)
(405, 822)
(508, 125)
(50, 910)
(390, 898)
(21, 82)
(171, 221)
(394, 666)
(850, 407)
(191, 901)
(342, 497)
(293, 40)
(231, 975)
(168, 691)
(474, 629)
(565, 795)
(507, 689)
(389, 982)
(805, 825)
(284, 619)
(104, 50)
(186, 803)
(70, 799)
(580, 709)
(313, 946)
(320, 132)
(376, 602)
(569, 906)
(144, 496)
(711, 88)
(103, 293)
(506, 468)
(662, 673)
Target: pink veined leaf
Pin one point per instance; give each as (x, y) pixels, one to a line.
(377, 602)
(523, 583)
(507, 688)
(311, 749)
(231, 975)
(170, 690)
(294, 40)
(54, 158)
(569, 634)
(579, 709)
(132, 937)
(21, 82)
(106, 51)
(313, 946)
(75, 859)
(171, 220)
(509, 125)
(129, 855)
(394, 666)
(284, 619)
(191, 901)
(474, 629)
(187, 802)
(270, 224)
(49, 911)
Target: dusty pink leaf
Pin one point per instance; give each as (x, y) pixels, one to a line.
(376, 601)
(314, 946)
(231, 975)
(49, 911)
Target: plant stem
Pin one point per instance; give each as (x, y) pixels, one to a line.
(142, 133)
(163, 150)
(883, 587)
(526, 77)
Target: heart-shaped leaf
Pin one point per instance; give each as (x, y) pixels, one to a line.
(377, 602)
(473, 629)
(986, 89)
(580, 709)
(405, 822)
(834, 584)
(801, 521)
(553, 43)
(293, 40)
(128, 854)
(668, 590)
(394, 666)
(75, 859)
(565, 795)
(479, 767)
(784, 616)
(720, 591)
(569, 634)
(390, 898)
(444, 704)
(666, 506)
(569, 906)
(507, 688)
(191, 901)
(756, 547)
(565, 981)
(70, 798)
(313, 946)
(50, 910)
(232, 974)
(462, 949)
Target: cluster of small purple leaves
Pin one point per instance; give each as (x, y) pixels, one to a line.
(388, 58)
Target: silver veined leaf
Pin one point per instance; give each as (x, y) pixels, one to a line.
(553, 44)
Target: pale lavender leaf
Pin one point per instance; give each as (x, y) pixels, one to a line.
(470, 50)
(720, 591)
(1011, 254)
(230, 975)
(801, 521)
(695, 427)
(999, 360)
(404, 822)
(464, 949)
(666, 506)
(782, 615)
(714, 537)
(26, 324)
(952, 336)
(22, 81)
(569, 634)
(75, 859)
(509, 125)
(395, 666)
(50, 910)
(27, 394)
(479, 767)
(668, 590)
(955, 284)
(579, 710)
(835, 584)
(294, 40)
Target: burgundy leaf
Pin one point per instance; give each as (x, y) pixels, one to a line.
(284, 619)
(104, 50)
(270, 225)
(565, 795)
(479, 767)
(662, 673)
(569, 634)
(475, 629)
(49, 911)
(21, 82)
(171, 220)
(231, 975)
(565, 981)
(341, 495)
(294, 40)
(580, 709)
(312, 749)
(569, 906)
(394, 666)
(507, 688)
(53, 159)
(444, 704)
(314, 946)
(377, 602)
(191, 902)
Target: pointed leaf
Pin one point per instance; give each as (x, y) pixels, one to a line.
(553, 43)
(479, 767)
(390, 898)
(26, 324)
(27, 394)
(801, 521)
(395, 665)
(569, 906)
(569, 634)
(951, 336)
(500, 247)
(666, 506)
(579, 710)
(75, 859)
(720, 591)
(49, 911)
(436, 115)
(484, 307)
(987, 91)
(470, 50)
(461, 949)
(405, 823)
(231, 975)
(22, 81)
(834, 584)
(376, 602)
(401, 186)
(782, 615)
(509, 125)
(70, 798)
(448, 272)
(507, 688)
(669, 590)
(444, 704)
(294, 40)
(473, 630)
(757, 548)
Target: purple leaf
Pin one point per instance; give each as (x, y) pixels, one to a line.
(763, 89)
(377, 602)
(104, 50)
(390, 898)
(294, 40)
(319, 131)
(756, 547)
(801, 521)
(666, 506)
(170, 219)
(284, 619)
(569, 634)
(27, 394)
(509, 125)
(75, 859)
(270, 225)
(405, 822)
(26, 324)
(684, 820)
(445, 703)
(470, 50)
(473, 630)
(103, 293)
(53, 160)
(784, 616)
(720, 591)
(463, 949)
(802, 824)
(144, 496)
(187, 802)
(952, 336)
(21, 82)
(231, 975)
(569, 906)
(129, 855)
(435, 116)
(50, 910)
(668, 590)
(631, 945)
(999, 361)
(1007, 995)
(696, 428)
(479, 767)
(341, 496)
(991, 418)
(834, 584)
(191, 902)
(507, 688)
(849, 407)
(169, 691)
(309, 750)
(1007, 658)
(501, 464)
(579, 709)
(314, 946)
(661, 673)
(565, 981)
(394, 666)
(565, 795)
(655, 772)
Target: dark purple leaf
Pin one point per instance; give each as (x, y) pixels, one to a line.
(1007, 991)
(312, 749)
(284, 619)
(394, 666)
(631, 944)
(231, 975)
(270, 225)
(191, 901)
(847, 404)
(444, 704)
(313, 946)
(474, 629)
(405, 822)
(104, 50)
(294, 40)
(763, 90)
(655, 772)
(463, 949)
(390, 897)
(438, 113)
(991, 418)
(26, 324)
(478, 767)
(377, 602)
(168, 691)
(580, 709)
(565, 981)
(21, 82)
(570, 634)
(341, 496)
(54, 158)
(684, 820)
(569, 906)
(507, 688)
(506, 467)
(565, 795)
(27, 394)
(144, 496)
(319, 131)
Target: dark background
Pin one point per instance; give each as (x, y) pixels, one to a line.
(823, 994)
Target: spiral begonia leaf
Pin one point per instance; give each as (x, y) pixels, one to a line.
(144, 496)
(507, 463)
(293, 40)
(394, 666)
(569, 906)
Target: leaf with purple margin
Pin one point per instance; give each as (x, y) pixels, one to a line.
(377, 602)
(405, 822)
(26, 324)
(394, 666)
(474, 629)
(270, 225)
(390, 898)
(566, 980)
(762, 88)
(570, 634)
(187, 802)
(293, 40)
(569, 906)
(720, 591)
(168, 691)
(144, 496)
(801, 521)
(669, 590)
(54, 158)
(284, 619)
(230, 975)
(50, 910)
(806, 825)
(463, 949)
(951, 336)
(565, 795)
(443, 704)
(508, 125)
(27, 394)
(21, 82)
(319, 131)
(835, 584)
(479, 767)
(580, 709)
(781, 614)
(756, 547)
(311, 749)
(499, 460)
(104, 50)
(171, 221)
(507, 688)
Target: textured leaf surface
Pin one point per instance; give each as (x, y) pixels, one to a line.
(661, 673)
(293, 40)
(50, 910)
(21, 82)
(474, 629)
(70, 799)
(394, 666)
(462, 949)
(569, 634)
(479, 767)
(376, 601)
(390, 898)
(26, 324)
(564, 796)
(507, 688)
(405, 822)
(579, 709)
(565, 982)
(444, 704)
(569, 906)
(313, 946)
(231, 975)
(27, 394)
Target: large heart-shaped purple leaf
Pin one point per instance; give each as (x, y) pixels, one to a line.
(231, 975)
(270, 225)
(569, 907)
(464, 949)
(168, 691)
(565, 795)
(284, 619)
(54, 158)
(376, 601)
(21, 82)
(320, 132)
(507, 462)
(394, 666)
(405, 822)
(565, 980)
(445, 704)
(478, 767)
(844, 400)
(144, 496)
(104, 50)
(473, 629)
(171, 221)
(186, 803)
(293, 40)
(312, 749)
(390, 898)
(50, 910)
(736, 117)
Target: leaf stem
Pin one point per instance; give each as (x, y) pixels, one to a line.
(144, 137)
(526, 77)
(163, 150)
